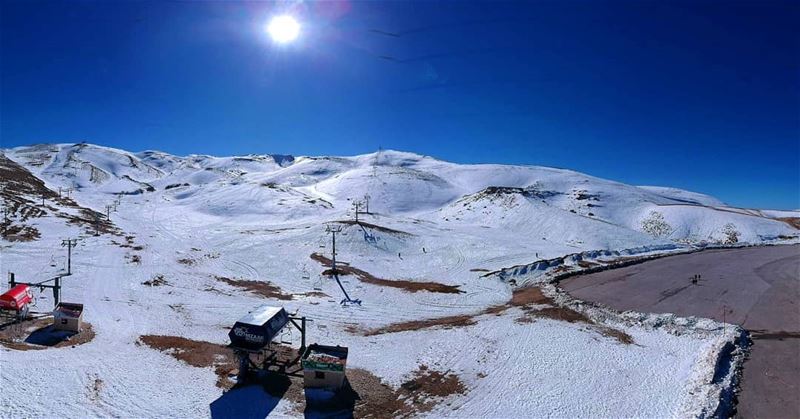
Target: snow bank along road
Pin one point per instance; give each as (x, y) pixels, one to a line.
(758, 288)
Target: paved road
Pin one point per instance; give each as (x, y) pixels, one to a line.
(758, 288)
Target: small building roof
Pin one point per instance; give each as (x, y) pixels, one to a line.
(68, 310)
(260, 315)
(15, 293)
(325, 354)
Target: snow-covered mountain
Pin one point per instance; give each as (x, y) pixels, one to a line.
(176, 248)
(562, 207)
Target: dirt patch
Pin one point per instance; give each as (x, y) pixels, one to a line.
(427, 383)
(531, 295)
(156, 281)
(587, 264)
(18, 233)
(531, 300)
(561, 269)
(318, 294)
(197, 354)
(617, 334)
(95, 388)
(364, 276)
(448, 322)
(262, 288)
(23, 194)
(560, 313)
(92, 221)
(187, 261)
(36, 334)
(792, 221)
(368, 396)
(129, 243)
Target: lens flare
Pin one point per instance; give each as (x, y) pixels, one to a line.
(283, 29)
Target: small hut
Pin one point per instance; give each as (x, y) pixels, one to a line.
(324, 366)
(68, 316)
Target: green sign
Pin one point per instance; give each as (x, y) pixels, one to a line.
(325, 366)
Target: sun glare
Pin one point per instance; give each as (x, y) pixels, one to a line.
(283, 29)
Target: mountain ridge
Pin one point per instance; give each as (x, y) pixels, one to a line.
(291, 188)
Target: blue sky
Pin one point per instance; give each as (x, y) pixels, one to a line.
(699, 95)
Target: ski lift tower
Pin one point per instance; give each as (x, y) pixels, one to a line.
(332, 231)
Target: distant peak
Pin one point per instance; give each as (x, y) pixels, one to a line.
(283, 160)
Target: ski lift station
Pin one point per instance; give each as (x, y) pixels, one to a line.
(324, 366)
(257, 329)
(68, 316)
(252, 337)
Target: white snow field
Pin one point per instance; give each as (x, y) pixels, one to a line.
(261, 218)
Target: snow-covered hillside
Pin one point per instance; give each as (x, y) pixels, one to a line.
(552, 208)
(211, 227)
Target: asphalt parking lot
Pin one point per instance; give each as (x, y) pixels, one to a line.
(757, 288)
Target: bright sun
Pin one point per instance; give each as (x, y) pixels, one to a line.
(283, 29)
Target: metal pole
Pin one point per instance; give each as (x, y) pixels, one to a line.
(57, 292)
(11, 280)
(333, 232)
(302, 335)
(69, 243)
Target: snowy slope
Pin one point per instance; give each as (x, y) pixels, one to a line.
(193, 219)
(400, 184)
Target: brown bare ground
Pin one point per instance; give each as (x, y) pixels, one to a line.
(262, 288)
(560, 313)
(197, 354)
(18, 233)
(364, 276)
(22, 193)
(531, 295)
(531, 300)
(792, 221)
(372, 397)
(318, 294)
(587, 264)
(422, 392)
(156, 281)
(13, 336)
(187, 261)
(376, 398)
(129, 243)
(561, 269)
(96, 388)
(92, 221)
(429, 383)
(448, 322)
(617, 334)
